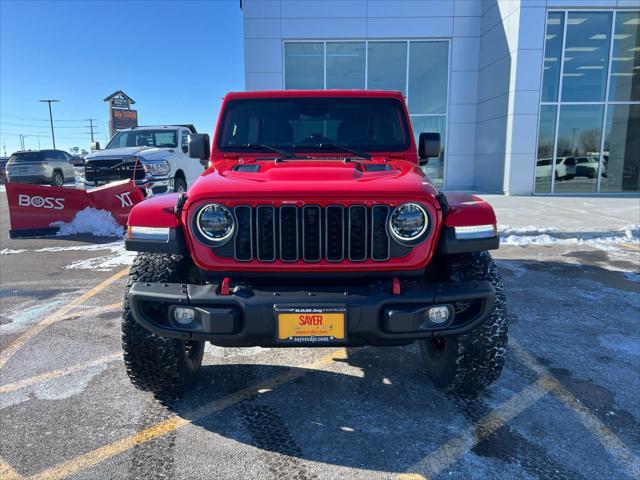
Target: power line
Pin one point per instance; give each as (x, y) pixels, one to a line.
(40, 126)
(37, 119)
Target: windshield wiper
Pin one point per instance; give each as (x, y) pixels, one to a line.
(263, 146)
(339, 146)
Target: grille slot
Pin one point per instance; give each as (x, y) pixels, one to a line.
(266, 233)
(312, 233)
(244, 233)
(289, 233)
(334, 233)
(357, 233)
(380, 245)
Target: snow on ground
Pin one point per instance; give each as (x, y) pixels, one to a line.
(8, 251)
(538, 235)
(104, 263)
(91, 220)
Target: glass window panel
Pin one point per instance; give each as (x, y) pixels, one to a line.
(552, 56)
(625, 59)
(434, 169)
(544, 159)
(578, 150)
(345, 65)
(387, 66)
(304, 65)
(586, 56)
(428, 67)
(621, 158)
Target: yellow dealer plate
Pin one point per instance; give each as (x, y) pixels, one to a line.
(311, 324)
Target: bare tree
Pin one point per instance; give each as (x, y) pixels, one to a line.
(590, 140)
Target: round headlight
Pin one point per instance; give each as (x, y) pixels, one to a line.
(215, 222)
(408, 222)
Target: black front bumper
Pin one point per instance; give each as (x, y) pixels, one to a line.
(374, 315)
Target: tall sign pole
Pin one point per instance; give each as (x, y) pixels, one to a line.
(53, 135)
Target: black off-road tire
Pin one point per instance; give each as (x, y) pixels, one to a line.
(158, 364)
(469, 362)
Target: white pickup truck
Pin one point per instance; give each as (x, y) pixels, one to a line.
(156, 157)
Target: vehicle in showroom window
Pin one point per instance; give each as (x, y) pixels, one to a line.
(314, 226)
(51, 167)
(156, 157)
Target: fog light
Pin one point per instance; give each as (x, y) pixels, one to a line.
(438, 315)
(184, 316)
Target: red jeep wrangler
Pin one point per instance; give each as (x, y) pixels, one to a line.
(314, 226)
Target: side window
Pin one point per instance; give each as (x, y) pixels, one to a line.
(185, 141)
(50, 155)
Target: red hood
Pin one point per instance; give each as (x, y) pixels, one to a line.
(297, 179)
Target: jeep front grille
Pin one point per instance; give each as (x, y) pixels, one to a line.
(311, 233)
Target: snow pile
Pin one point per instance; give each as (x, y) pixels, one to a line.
(8, 251)
(534, 235)
(90, 220)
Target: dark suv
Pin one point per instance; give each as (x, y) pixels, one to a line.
(52, 167)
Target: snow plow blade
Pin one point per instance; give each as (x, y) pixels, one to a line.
(34, 209)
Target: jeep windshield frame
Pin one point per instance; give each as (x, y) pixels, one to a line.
(312, 124)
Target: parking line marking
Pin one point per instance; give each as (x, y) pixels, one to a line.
(450, 452)
(94, 457)
(60, 314)
(609, 440)
(102, 309)
(7, 472)
(12, 387)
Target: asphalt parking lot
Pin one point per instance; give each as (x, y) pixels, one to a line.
(566, 406)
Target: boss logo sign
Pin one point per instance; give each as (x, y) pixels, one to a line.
(41, 202)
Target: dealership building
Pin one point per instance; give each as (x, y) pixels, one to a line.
(529, 96)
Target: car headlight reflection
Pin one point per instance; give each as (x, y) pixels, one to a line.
(215, 222)
(408, 222)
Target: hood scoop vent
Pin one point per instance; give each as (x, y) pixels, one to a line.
(247, 168)
(377, 167)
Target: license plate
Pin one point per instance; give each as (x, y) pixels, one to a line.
(311, 324)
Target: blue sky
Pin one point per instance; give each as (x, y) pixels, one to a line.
(176, 59)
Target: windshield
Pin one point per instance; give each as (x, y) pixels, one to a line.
(307, 124)
(144, 138)
(25, 157)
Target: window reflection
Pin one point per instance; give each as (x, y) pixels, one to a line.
(622, 150)
(625, 59)
(434, 169)
(428, 77)
(544, 160)
(586, 56)
(304, 64)
(552, 56)
(578, 148)
(345, 65)
(387, 66)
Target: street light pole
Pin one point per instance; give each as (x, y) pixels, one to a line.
(53, 136)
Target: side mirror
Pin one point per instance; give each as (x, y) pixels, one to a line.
(428, 146)
(95, 146)
(199, 147)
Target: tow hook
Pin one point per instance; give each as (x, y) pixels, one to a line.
(396, 286)
(224, 287)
